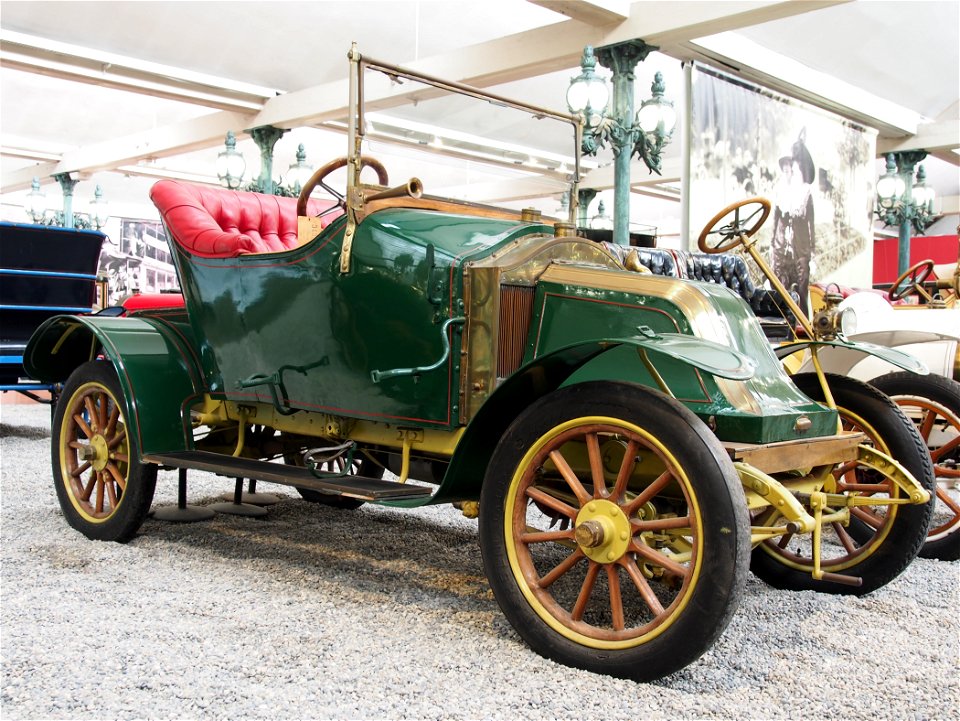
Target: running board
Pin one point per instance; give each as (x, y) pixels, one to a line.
(364, 489)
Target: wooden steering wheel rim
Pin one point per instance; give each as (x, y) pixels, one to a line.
(724, 247)
(324, 170)
(918, 279)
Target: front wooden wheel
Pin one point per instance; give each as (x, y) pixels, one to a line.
(880, 541)
(103, 491)
(614, 531)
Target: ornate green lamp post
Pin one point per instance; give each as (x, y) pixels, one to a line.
(67, 185)
(231, 165)
(903, 202)
(266, 138)
(36, 206)
(643, 136)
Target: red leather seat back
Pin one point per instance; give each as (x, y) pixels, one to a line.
(218, 223)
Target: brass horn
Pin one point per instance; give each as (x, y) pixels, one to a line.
(413, 188)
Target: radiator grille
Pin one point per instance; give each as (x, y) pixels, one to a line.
(516, 308)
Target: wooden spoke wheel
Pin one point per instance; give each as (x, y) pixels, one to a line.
(102, 489)
(932, 402)
(880, 541)
(600, 525)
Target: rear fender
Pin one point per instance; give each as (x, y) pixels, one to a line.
(545, 374)
(158, 371)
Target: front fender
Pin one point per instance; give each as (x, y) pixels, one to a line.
(154, 361)
(841, 356)
(545, 374)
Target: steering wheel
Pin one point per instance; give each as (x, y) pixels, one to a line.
(322, 172)
(916, 274)
(735, 230)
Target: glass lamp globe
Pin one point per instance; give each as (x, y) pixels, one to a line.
(299, 173)
(36, 202)
(230, 164)
(98, 209)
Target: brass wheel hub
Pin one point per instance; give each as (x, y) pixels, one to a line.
(602, 531)
(97, 452)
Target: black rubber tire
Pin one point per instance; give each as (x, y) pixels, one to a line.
(713, 483)
(943, 540)
(124, 519)
(909, 527)
(365, 467)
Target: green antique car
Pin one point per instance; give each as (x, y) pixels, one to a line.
(631, 443)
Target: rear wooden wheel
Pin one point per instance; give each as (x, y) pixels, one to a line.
(102, 489)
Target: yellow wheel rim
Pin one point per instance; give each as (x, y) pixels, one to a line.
(94, 452)
(636, 573)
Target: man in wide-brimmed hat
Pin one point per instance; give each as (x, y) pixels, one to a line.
(793, 223)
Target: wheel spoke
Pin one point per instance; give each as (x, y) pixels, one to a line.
(845, 538)
(570, 477)
(100, 484)
(103, 401)
(626, 470)
(947, 500)
(112, 421)
(88, 489)
(583, 598)
(871, 519)
(117, 476)
(120, 457)
(649, 492)
(659, 559)
(78, 419)
(926, 424)
(111, 494)
(596, 466)
(646, 593)
(92, 413)
(616, 601)
(561, 568)
(843, 470)
(547, 536)
(117, 439)
(545, 499)
(951, 445)
(660, 524)
(79, 470)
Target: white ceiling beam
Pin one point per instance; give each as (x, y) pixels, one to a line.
(516, 57)
(184, 137)
(29, 53)
(591, 12)
(936, 138)
(602, 178)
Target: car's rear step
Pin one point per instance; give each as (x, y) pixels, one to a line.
(365, 489)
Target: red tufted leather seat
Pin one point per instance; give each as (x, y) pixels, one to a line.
(219, 223)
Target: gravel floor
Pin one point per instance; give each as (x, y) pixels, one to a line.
(382, 613)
